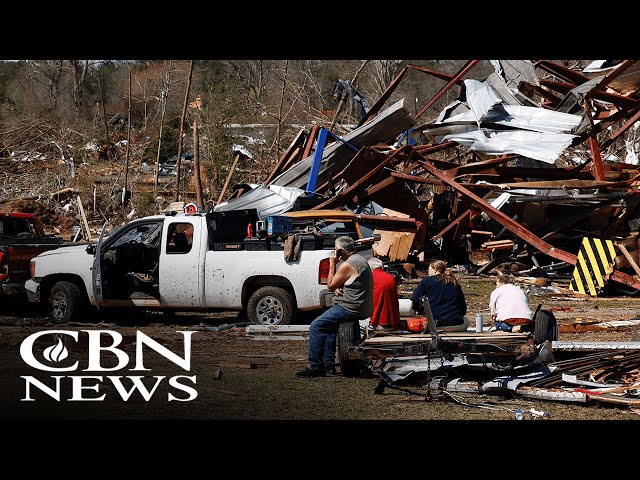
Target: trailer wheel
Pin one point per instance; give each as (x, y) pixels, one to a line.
(270, 306)
(349, 336)
(544, 327)
(67, 302)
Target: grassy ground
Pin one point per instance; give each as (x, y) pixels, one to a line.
(242, 379)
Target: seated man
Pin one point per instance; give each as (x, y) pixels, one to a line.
(509, 306)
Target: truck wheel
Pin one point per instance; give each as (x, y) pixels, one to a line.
(544, 327)
(270, 306)
(67, 302)
(348, 336)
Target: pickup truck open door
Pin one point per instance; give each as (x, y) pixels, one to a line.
(96, 273)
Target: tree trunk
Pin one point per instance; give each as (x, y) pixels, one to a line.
(165, 95)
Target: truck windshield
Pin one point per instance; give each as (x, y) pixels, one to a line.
(144, 233)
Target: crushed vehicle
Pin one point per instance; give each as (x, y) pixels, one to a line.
(271, 269)
(22, 237)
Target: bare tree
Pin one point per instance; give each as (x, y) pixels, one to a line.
(254, 75)
(384, 71)
(79, 69)
(163, 107)
(48, 73)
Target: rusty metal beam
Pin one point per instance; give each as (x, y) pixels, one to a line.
(363, 194)
(548, 173)
(440, 75)
(563, 72)
(394, 83)
(358, 185)
(503, 219)
(629, 123)
(614, 98)
(561, 87)
(434, 148)
(598, 167)
(594, 146)
(463, 71)
(414, 178)
(564, 184)
(286, 156)
(522, 232)
(600, 126)
(480, 166)
(560, 222)
(375, 108)
(440, 163)
(454, 223)
(292, 158)
(625, 279)
(612, 76)
(394, 224)
(548, 94)
(313, 136)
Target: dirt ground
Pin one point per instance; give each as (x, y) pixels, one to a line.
(238, 378)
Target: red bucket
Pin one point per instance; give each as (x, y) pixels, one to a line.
(416, 324)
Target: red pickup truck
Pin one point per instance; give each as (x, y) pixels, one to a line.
(22, 237)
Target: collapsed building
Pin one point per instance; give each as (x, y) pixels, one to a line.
(533, 168)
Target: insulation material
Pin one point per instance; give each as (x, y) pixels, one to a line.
(539, 146)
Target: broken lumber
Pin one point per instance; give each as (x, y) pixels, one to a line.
(85, 224)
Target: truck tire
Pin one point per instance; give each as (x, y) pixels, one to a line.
(270, 306)
(349, 336)
(544, 327)
(67, 301)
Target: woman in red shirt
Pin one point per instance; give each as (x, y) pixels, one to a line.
(386, 308)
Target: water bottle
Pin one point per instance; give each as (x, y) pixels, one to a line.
(478, 323)
(519, 415)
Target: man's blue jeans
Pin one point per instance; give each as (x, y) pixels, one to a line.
(507, 328)
(322, 336)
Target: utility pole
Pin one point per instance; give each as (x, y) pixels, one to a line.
(182, 120)
(104, 119)
(126, 160)
(196, 164)
(165, 95)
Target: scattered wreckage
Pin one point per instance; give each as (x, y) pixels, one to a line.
(530, 365)
(511, 173)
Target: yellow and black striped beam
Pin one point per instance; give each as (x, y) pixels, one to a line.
(594, 265)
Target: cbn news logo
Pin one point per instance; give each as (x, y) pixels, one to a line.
(86, 388)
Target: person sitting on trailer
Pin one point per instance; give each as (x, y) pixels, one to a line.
(509, 306)
(386, 306)
(446, 299)
(352, 283)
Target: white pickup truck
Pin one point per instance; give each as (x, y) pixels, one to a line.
(186, 262)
